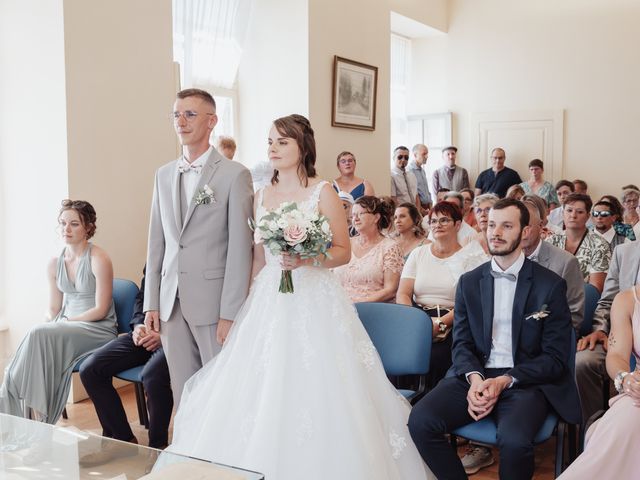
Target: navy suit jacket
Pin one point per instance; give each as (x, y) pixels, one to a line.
(541, 348)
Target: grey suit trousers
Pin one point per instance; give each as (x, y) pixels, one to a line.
(187, 348)
(591, 372)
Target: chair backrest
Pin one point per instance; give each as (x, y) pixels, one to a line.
(401, 335)
(124, 299)
(591, 297)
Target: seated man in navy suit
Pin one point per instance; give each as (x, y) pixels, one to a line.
(140, 347)
(511, 348)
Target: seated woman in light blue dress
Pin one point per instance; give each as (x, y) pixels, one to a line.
(80, 319)
(538, 186)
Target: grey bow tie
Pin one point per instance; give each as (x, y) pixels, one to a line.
(508, 276)
(185, 167)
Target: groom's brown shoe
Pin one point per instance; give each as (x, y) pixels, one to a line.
(109, 452)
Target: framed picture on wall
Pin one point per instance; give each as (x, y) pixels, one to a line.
(354, 94)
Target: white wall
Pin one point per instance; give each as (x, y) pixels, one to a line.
(273, 78)
(33, 160)
(510, 55)
(87, 87)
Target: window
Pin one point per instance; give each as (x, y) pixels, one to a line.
(399, 85)
(207, 43)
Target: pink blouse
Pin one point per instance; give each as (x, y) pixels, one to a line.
(364, 276)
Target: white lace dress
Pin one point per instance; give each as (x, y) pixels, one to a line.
(298, 390)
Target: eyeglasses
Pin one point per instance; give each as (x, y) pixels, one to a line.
(344, 161)
(359, 214)
(188, 115)
(601, 213)
(442, 221)
(403, 157)
(484, 210)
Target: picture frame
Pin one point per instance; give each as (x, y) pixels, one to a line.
(355, 88)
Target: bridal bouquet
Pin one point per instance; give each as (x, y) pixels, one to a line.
(288, 229)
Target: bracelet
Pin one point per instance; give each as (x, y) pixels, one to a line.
(618, 381)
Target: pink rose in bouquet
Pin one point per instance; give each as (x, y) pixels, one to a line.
(294, 234)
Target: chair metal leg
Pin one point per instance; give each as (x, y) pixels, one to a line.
(573, 439)
(141, 402)
(560, 431)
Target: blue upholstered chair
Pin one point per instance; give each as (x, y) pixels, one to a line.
(591, 297)
(485, 432)
(402, 337)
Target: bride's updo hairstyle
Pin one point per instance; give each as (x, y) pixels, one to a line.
(385, 207)
(298, 127)
(85, 211)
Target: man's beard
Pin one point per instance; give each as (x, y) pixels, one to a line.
(510, 248)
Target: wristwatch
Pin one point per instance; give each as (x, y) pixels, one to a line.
(618, 382)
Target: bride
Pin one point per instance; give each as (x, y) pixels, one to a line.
(298, 390)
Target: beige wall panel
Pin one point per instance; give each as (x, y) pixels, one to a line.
(120, 89)
(434, 13)
(358, 30)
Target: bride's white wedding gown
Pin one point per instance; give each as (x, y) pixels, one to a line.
(298, 391)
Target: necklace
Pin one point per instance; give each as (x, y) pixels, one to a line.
(362, 242)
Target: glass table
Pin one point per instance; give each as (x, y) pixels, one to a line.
(34, 450)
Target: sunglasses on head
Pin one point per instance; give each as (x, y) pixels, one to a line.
(602, 213)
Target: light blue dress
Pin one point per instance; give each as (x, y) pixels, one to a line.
(40, 373)
(547, 192)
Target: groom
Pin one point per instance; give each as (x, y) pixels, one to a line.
(200, 246)
(511, 344)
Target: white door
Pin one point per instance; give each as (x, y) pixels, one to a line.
(524, 136)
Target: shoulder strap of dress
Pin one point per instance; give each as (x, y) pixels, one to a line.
(315, 195)
(260, 194)
(60, 262)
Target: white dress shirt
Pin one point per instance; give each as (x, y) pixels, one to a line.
(608, 235)
(191, 176)
(504, 291)
(536, 253)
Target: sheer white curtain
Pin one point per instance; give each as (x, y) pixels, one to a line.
(208, 36)
(399, 86)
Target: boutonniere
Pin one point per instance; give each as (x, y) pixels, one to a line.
(204, 196)
(543, 313)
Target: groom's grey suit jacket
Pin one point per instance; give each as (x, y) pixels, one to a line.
(205, 259)
(622, 275)
(566, 265)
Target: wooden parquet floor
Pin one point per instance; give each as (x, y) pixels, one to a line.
(82, 415)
